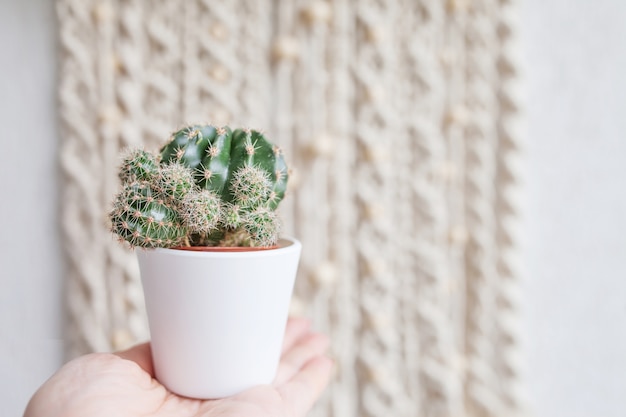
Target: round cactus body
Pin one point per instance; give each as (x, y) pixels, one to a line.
(204, 149)
(250, 148)
(250, 187)
(201, 211)
(174, 181)
(263, 226)
(142, 219)
(231, 216)
(138, 165)
(216, 154)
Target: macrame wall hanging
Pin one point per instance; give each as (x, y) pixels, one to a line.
(399, 120)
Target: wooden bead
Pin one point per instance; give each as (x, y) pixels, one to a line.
(317, 12)
(220, 117)
(321, 146)
(286, 48)
(297, 307)
(219, 73)
(325, 274)
(375, 34)
(457, 116)
(219, 31)
(121, 339)
(376, 153)
(110, 114)
(103, 12)
(458, 235)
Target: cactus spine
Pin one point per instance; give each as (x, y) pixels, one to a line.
(209, 186)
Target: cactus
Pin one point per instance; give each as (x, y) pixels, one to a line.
(231, 216)
(173, 181)
(250, 187)
(205, 150)
(209, 186)
(262, 226)
(138, 165)
(201, 211)
(215, 155)
(141, 218)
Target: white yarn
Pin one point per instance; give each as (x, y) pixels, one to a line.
(431, 356)
(399, 119)
(508, 174)
(86, 283)
(343, 312)
(253, 42)
(377, 123)
(492, 387)
(124, 85)
(284, 54)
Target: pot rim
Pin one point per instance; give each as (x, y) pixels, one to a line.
(223, 249)
(285, 244)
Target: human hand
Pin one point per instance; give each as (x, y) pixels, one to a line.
(123, 384)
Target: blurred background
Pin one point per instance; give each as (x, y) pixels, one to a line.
(569, 59)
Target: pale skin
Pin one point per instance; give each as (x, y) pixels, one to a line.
(123, 384)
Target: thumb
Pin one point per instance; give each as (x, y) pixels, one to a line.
(141, 355)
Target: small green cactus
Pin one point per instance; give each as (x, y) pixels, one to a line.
(231, 216)
(262, 226)
(138, 165)
(209, 186)
(201, 211)
(250, 187)
(173, 181)
(142, 218)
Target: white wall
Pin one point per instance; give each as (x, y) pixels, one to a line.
(30, 268)
(575, 221)
(575, 259)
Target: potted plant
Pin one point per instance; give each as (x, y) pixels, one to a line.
(217, 279)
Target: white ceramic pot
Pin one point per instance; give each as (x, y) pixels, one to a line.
(217, 319)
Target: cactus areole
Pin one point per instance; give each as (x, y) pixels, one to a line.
(209, 187)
